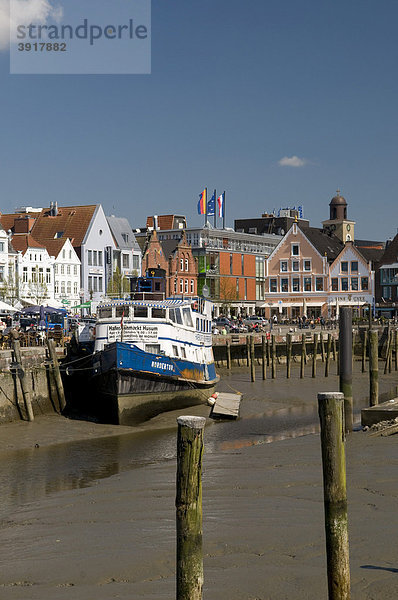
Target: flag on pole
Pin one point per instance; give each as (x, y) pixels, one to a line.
(221, 204)
(202, 202)
(211, 206)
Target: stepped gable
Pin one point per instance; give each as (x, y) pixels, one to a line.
(390, 255)
(71, 222)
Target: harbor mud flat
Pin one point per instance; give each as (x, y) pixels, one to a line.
(88, 510)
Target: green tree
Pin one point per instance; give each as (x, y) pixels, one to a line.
(118, 284)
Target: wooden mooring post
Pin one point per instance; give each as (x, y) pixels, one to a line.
(16, 346)
(396, 348)
(228, 350)
(331, 416)
(345, 355)
(252, 360)
(288, 354)
(264, 356)
(388, 351)
(273, 357)
(303, 356)
(373, 367)
(364, 346)
(248, 350)
(322, 346)
(328, 349)
(57, 375)
(314, 354)
(189, 508)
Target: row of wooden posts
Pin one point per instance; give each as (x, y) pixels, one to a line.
(336, 420)
(54, 367)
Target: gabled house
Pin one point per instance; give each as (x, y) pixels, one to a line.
(127, 255)
(387, 280)
(66, 271)
(35, 270)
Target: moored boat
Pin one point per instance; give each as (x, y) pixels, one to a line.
(146, 357)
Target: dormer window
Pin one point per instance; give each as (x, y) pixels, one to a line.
(58, 235)
(125, 238)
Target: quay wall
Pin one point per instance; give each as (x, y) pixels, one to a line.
(39, 382)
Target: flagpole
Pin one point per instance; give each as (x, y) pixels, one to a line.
(215, 209)
(205, 206)
(223, 215)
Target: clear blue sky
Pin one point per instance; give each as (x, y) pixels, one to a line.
(235, 87)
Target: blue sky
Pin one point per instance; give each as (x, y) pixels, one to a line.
(235, 87)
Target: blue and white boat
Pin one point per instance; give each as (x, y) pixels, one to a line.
(147, 357)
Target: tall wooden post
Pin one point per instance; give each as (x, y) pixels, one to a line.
(345, 355)
(396, 349)
(248, 350)
(334, 348)
(273, 357)
(288, 354)
(364, 346)
(189, 508)
(57, 375)
(228, 350)
(322, 346)
(331, 416)
(302, 362)
(264, 356)
(388, 349)
(252, 360)
(314, 354)
(268, 352)
(373, 367)
(328, 349)
(21, 374)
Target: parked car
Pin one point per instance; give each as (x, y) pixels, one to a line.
(221, 322)
(255, 320)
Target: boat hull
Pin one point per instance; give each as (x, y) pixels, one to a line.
(124, 385)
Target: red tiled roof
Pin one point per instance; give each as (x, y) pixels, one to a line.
(72, 221)
(22, 241)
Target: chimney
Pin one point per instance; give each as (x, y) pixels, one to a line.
(155, 222)
(53, 209)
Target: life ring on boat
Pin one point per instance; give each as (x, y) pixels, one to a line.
(195, 305)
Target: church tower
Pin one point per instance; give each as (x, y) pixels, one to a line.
(338, 223)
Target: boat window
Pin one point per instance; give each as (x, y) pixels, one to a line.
(178, 316)
(187, 317)
(122, 311)
(197, 324)
(183, 353)
(105, 312)
(140, 311)
(153, 348)
(172, 315)
(159, 313)
(175, 350)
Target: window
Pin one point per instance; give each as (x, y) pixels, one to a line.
(284, 285)
(335, 284)
(237, 287)
(186, 265)
(295, 249)
(125, 238)
(296, 284)
(387, 292)
(95, 282)
(48, 275)
(354, 266)
(62, 269)
(192, 286)
(1, 273)
(136, 262)
(283, 265)
(178, 316)
(187, 317)
(230, 263)
(183, 353)
(172, 315)
(181, 264)
(70, 254)
(34, 275)
(90, 284)
(319, 284)
(259, 290)
(69, 287)
(75, 270)
(94, 258)
(75, 288)
(354, 284)
(344, 267)
(181, 286)
(90, 257)
(344, 284)
(175, 350)
(55, 269)
(159, 313)
(186, 286)
(58, 235)
(141, 311)
(100, 258)
(245, 289)
(25, 275)
(1, 246)
(273, 285)
(68, 270)
(125, 261)
(63, 288)
(307, 284)
(260, 266)
(243, 264)
(307, 265)
(364, 283)
(63, 253)
(100, 284)
(295, 265)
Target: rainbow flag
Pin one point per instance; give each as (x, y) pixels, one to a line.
(202, 202)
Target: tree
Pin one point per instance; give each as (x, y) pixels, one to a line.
(37, 287)
(228, 292)
(118, 284)
(9, 290)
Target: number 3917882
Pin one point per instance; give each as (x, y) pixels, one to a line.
(42, 47)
